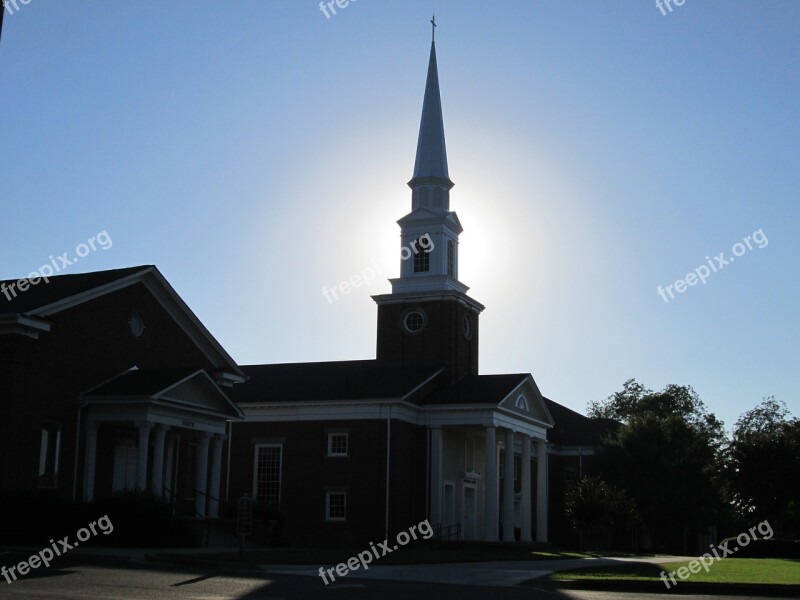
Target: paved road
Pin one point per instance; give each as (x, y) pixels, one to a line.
(495, 574)
(77, 582)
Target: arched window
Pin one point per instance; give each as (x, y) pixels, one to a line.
(422, 257)
(522, 403)
(451, 258)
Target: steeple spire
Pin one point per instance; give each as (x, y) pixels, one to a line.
(431, 161)
(429, 318)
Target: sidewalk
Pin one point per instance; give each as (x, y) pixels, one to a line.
(495, 574)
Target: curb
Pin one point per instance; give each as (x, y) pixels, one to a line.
(733, 589)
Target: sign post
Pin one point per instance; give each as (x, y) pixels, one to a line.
(244, 521)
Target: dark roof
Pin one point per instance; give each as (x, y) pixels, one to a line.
(476, 389)
(141, 382)
(574, 429)
(60, 287)
(339, 380)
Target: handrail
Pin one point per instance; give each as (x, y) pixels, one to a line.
(171, 497)
(207, 495)
(448, 533)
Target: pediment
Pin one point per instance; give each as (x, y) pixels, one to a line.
(526, 400)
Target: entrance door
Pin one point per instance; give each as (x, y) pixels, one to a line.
(449, 504)
(469, 522)
(125, 462)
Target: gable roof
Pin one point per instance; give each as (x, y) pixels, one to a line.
(337, 380)
(62, 292)
(141, 382)
(186, 386)
(574, 429)
(476, 389)
(61, 287)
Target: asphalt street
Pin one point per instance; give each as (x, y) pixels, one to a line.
(143, 582)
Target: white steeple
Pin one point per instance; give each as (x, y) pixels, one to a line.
(429, 233)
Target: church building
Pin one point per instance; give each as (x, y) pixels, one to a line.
(111, 383)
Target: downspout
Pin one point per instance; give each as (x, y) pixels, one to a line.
(427, 464)
(229, 425)
(77, 449)
(388, 468)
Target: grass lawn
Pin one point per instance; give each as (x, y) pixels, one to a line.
(777, 571)
(404, 556)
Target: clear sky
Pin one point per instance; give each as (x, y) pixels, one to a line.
(256, 151)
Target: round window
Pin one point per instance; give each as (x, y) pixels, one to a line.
(414, 321)
(467, 327)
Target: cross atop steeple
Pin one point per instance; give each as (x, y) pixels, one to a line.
(433, 29)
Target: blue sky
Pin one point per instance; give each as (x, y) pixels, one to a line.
(256, 151)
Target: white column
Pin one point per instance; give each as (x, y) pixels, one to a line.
(157, 474)
(508, 489)
(143, 450)
(216, 470)
(490, 506)
(436, 476)
(541, 491)
(525, 487)
(201, 478)
(169, 479)
(89, 461)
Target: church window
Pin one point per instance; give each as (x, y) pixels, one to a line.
(414, 321)
(469, 455)
(136, 324)
(48, 455)
(451, 258)
(337, 444)
(422, 255)
(335, 506)
(267, 480)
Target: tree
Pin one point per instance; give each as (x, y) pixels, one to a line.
(674, 400)
(763, 466)
(597, 509)
(665, 456)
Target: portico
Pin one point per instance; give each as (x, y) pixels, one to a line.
(166, 429)
(490, 449)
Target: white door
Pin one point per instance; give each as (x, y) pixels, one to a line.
(449, 504)
(125, 462)
(469, 520)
